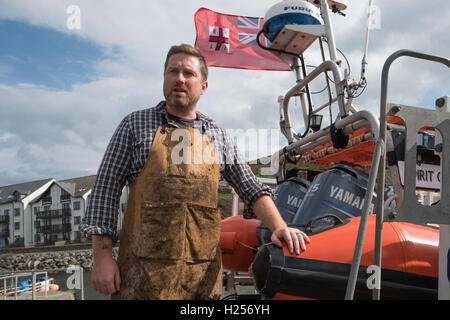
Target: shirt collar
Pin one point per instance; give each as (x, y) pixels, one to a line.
(161, 108)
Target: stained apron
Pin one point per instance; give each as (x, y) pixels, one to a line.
(170, 239)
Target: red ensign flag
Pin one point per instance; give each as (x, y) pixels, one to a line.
(229, 41)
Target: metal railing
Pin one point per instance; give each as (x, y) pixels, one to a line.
(4, 233)
(14, 289)
(4, 219)
(57, 213)
(56, 228)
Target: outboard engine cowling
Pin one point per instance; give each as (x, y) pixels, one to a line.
(288, 197)
(333, 197)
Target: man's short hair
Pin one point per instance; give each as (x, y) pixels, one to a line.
(189, 50)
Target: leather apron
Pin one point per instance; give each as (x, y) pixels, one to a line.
(170, 239)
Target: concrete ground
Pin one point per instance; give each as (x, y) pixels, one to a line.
(51, 295)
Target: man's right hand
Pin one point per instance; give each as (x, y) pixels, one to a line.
(105, 275)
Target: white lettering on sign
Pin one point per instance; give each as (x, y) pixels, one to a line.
(427, 176)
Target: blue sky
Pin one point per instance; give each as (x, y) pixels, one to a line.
(429, 98)
(63, 92)
(45, 57)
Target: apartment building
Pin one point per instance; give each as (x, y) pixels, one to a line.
(14, 207)
(46, 211)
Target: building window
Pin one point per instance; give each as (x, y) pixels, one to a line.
(66, 206)
(37, 223)
(65, 196)
(76, 220)
(76, 205)
(6, 212)
(16, 212)
(47, 197)
(16, 225)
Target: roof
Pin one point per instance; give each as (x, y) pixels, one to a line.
(77, 187)
(7, 193)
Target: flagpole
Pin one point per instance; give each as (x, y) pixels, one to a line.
(366, 48)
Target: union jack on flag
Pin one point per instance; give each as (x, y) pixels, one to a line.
(219, 39)
(249, 22)
(248, 29)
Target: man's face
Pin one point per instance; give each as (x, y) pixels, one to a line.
(183, 82)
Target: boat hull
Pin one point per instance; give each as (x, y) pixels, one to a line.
(409, 264)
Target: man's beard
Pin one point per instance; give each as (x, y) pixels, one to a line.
(182, 104)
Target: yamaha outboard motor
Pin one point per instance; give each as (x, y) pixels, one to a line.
(288, 197)
(333, 197)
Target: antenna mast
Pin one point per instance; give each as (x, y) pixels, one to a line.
(362, 80)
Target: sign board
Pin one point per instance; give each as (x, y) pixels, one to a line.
(428, 176)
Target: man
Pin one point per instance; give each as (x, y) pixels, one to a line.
(170, 239)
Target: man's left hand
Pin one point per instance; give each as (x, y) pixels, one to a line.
(295, 239)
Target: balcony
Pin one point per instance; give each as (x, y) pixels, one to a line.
(4, 219)
(52, 214)
(56, 228)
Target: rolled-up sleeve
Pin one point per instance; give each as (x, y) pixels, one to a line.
(103, 203)
(241, 178)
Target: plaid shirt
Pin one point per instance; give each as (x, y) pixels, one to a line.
(127, 153)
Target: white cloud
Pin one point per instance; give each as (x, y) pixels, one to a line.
(6, 136)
